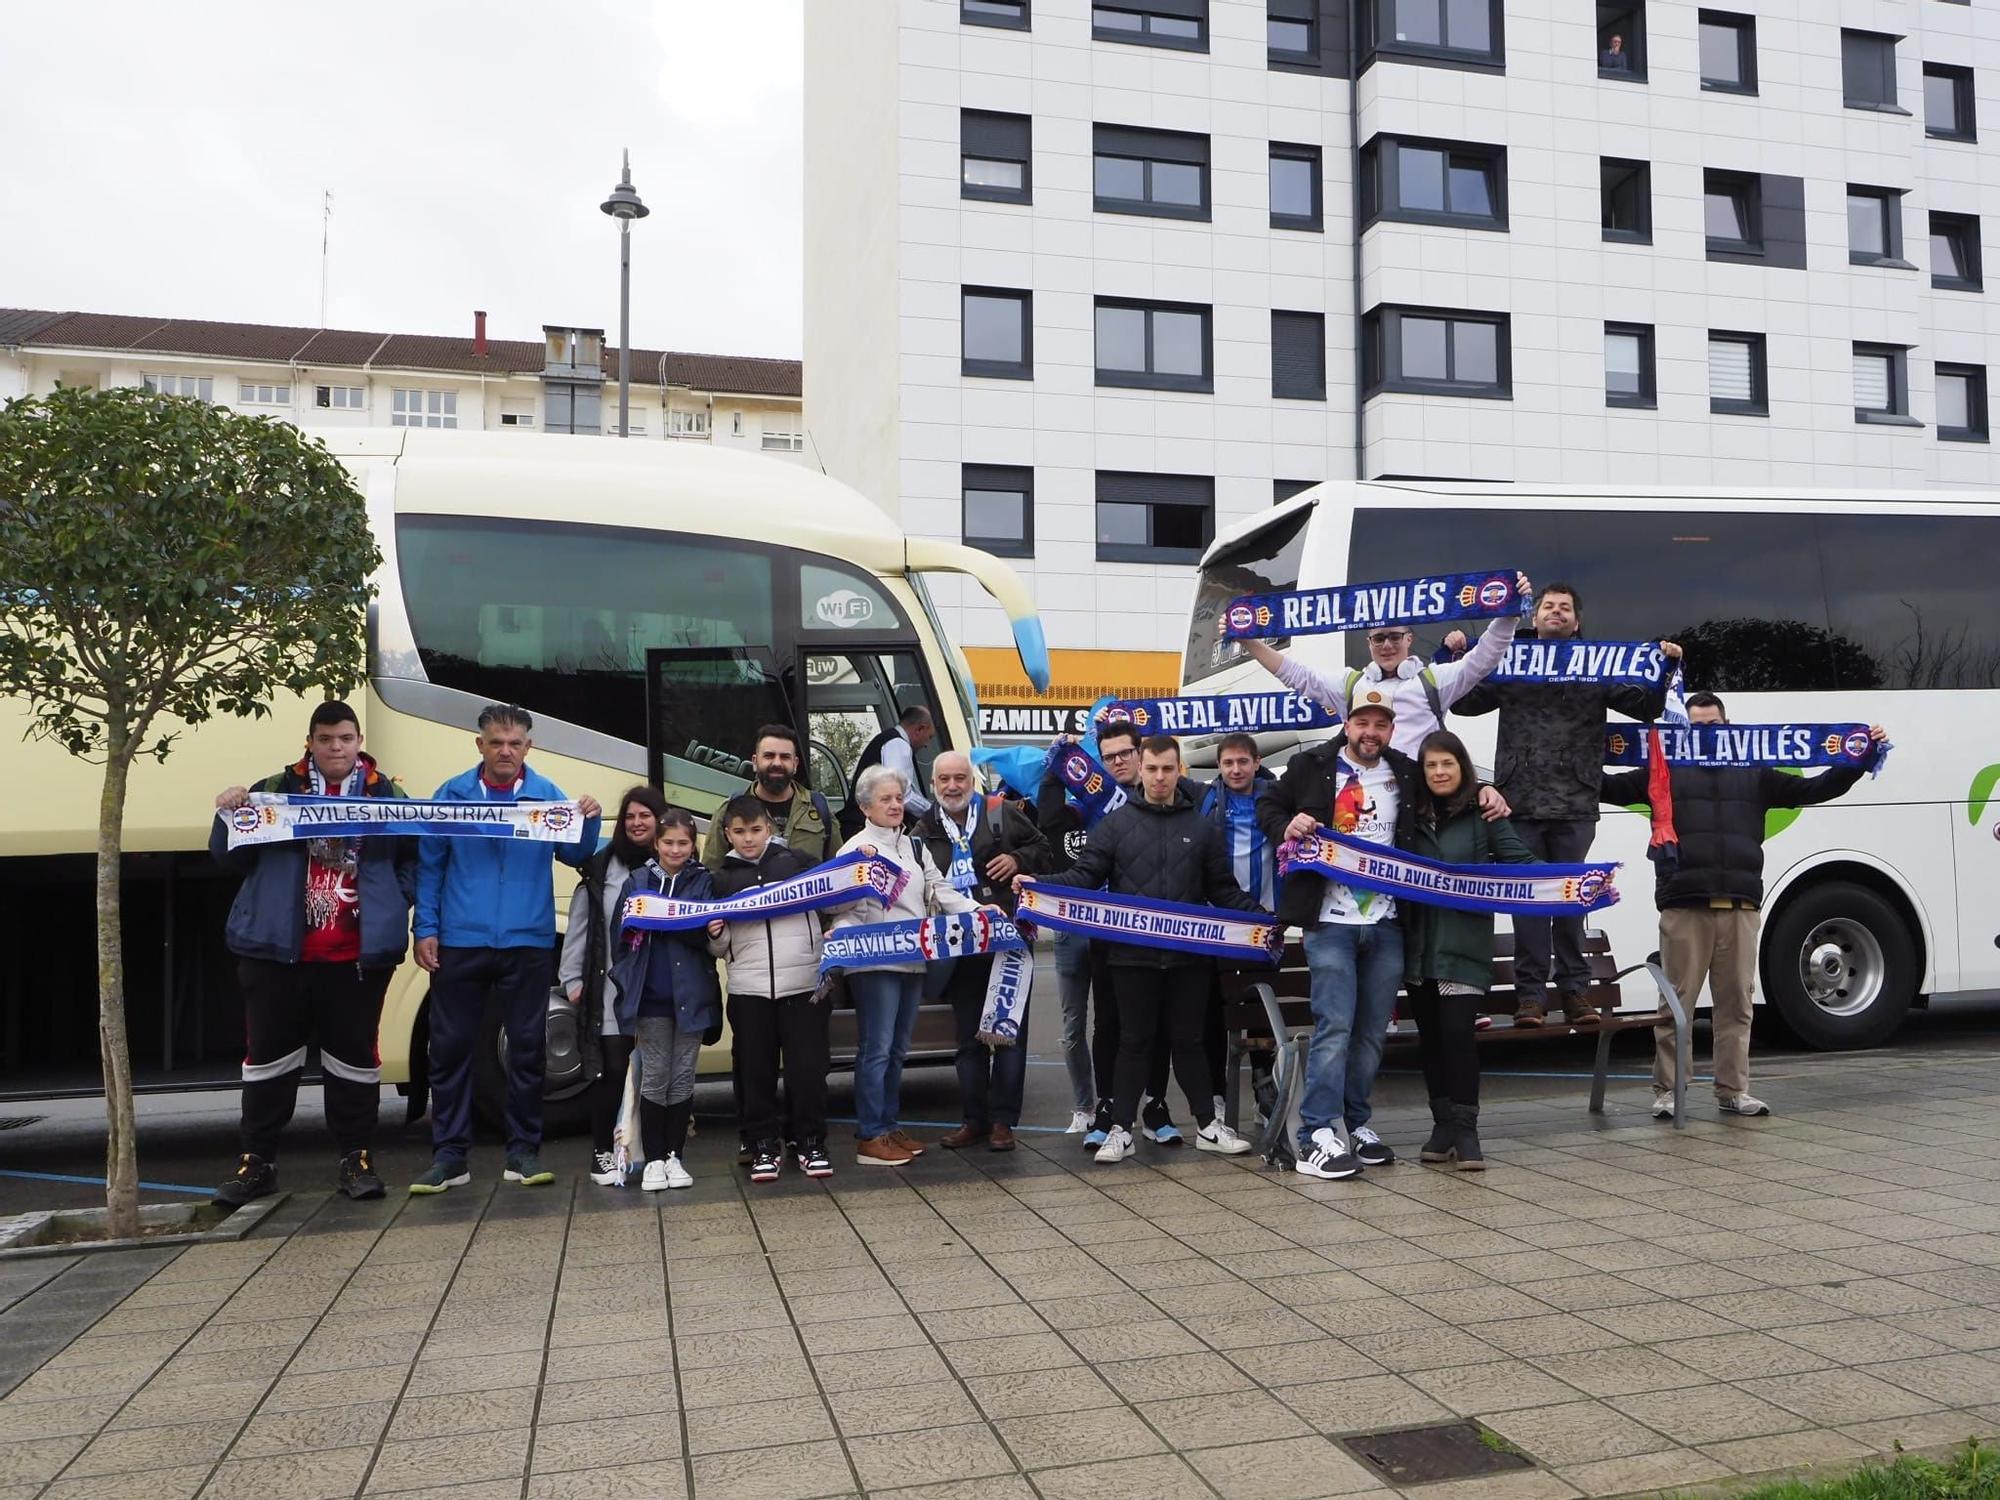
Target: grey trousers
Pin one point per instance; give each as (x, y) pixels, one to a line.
(667, 1058)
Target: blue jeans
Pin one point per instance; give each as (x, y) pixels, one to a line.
(1073, 979)
(1356, 971)
(885, 1013)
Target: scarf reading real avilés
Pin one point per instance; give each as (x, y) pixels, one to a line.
(1509, 890)
(1004, 1016)
(1362, 606)
(1223, 713)
(1203, 931)
(277, 817)
(1716, 745)
(1083, 776)
(1634, 663)
(851, 877)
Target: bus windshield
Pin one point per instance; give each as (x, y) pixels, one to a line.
(1266, 561)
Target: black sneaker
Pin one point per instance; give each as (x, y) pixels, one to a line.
(255, 1178)
(1323, 1156)
(812, 1158)
(764, 1162)
(1370, 1149)
(357, 1176)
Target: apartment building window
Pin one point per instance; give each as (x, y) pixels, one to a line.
(1163, 518)
(1948, 109)
(1295, 188)
(1011, 14)
(1868, 71)
(1153, 23)
(995, 156)
(263, 393)
(1466, 32)
(1628, 365)
(1882, 384)
(1875, 227)
(1626, 191)
(1291, 31)
(1434, 182)
(1436, 351)
(340, 397)
(424, 409)
(1160, 173)
(1728, 49)
(1955, 253)
(782, 433)
(1961, 403)
(1283, 489)
(687, 424)
(516, 412)
(997, 333)
(1732, 212)
(1161, 346)
(1737, 379)
(1621, 40)
(998, 509)
(1298, 356)
(201, 387)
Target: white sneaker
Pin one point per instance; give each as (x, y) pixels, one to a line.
(1326, 1157)
(655, 1180)
(1221, 1106)
(1741, 1104)
(677, 1175)
(1216, 1136)
(1663, 1106)
(1117, 1146)
(605, 1171)
(1080, 1120)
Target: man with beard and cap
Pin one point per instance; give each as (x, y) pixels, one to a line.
(800, 819)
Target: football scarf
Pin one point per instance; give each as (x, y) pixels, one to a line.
(1224, 713)
(1201, 931)
(1362, 606)
(961, 876)
(1794, 745)
(1086, 781)
(851, 877)
(1508, 890)
(278, 817)
(919, 940)
(1635, 663)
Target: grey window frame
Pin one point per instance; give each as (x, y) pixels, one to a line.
(1628, 19)
(1381, 181)
(1745, 27)
(1150, 11)
(1153, 491)
(993, 126)
(1382, 353)
(1643, 172)
(1978, 428)
(1969, 226)
(1889, 204)
(1295, 13)
(1898, 413)
(1759, 404)
(1964, 124)
(1746, 188)
(1648, 396)
(998, 369)
(1025, 22)
(1150, 147)
(1147, 379)
(1315, 222)
(1378, 39)
(999, 479)
(1300, 331)
(1852, 64)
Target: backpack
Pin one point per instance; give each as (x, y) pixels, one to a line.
(1426, 676)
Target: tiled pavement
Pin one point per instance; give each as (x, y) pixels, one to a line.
(1635, 1308)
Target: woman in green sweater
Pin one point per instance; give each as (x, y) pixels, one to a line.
(1447, 953)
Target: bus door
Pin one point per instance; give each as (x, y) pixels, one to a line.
(704, 706)
(853, 693)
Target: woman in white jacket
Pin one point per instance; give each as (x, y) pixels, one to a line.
(886, 997)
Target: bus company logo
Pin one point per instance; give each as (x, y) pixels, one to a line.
(247, 819)
(1857, 744)
(844, 609)
(1493, 592)
(1616, 743)
(1241, 617)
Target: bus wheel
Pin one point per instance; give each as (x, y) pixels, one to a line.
(566, 1115)
(1840, 966)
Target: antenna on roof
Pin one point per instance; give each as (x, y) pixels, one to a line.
(325, 233)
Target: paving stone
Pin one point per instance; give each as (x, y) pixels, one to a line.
(330, 1474)
(312, 1431)
(721, 1429)
(1055, 1439)
(432, 1461)
(1307, 1468)
(1163, 1477)
(943, 1453)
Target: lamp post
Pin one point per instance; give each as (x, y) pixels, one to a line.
(624, 206)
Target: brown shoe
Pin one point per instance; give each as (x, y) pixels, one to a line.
(1530, 1013)
(1580, 1012)
(882, 1151)
(1002, 1138)
(967, 1134)
(906, 1142)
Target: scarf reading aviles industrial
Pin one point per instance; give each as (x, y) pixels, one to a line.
(1508, 890)
(278, 817)
(851, 877)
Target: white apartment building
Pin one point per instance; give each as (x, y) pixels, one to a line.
(1089, 279)
(329, 377)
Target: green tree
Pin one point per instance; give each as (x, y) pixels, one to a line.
(163, 561)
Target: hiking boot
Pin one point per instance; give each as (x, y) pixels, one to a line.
(881, 1151)
(1531, 1013)
(1370, 1149)
(908, 1144)
(967, 1134)
(812, 1158)
(255, 1178)
(357, 1176)
(527, 1169)
(1580, 1012)
(443, 1172)
(1438, 1147)
(1000, 1138)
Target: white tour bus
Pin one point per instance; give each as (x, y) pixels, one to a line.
(1816, 606)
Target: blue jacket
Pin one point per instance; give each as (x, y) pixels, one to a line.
(267, 919)
(494, 893)
(697, 994)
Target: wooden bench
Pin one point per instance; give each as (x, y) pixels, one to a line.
(1269, 1010)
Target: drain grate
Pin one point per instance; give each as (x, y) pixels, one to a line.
(21, 1122)
(1425, 1455)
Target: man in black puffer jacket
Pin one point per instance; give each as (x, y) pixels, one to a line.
(1709, 903)
(1159, 846)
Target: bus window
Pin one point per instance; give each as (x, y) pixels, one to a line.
(833, 598)
(1393, 544)
(1265, 562)
(1912, 599)
(852, 696)
(705, 707)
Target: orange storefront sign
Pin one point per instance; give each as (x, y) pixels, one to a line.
(1009, 706)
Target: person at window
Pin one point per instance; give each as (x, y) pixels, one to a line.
(486, 934)
(317, 928)
(895, 747)
(584, 970)
(1159, 845)
(1709, 898)
(1448, 953)
(800, 817)
(1548, 760)
(1614, 58)
(981, 843)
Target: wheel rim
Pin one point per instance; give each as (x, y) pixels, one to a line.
(1841, 967)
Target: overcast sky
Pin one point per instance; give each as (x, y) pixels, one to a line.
(170, 160)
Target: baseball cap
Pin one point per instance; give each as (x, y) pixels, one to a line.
(1377, 695)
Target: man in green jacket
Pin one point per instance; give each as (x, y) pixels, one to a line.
(799, 815)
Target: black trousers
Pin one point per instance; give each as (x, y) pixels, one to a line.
(1445, 1042)
(991, 1080)
(767, 1035)
(1152, 1003)
(1104, 1032)
(288, 1006)
(1538, 940)
(607, 1094)
(518, 979)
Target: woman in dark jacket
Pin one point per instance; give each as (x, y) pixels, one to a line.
(1447, 953)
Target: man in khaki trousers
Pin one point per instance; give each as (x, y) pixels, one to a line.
(1709, 904)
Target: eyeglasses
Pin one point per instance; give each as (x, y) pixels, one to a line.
(1388, 637)
(1111, 756)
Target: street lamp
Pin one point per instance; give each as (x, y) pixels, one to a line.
(624, 206)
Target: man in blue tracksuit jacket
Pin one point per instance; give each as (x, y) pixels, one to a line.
(486, 929)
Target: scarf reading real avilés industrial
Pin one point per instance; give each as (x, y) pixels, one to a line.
(1509, 890)
(278, 817)
(850, 877)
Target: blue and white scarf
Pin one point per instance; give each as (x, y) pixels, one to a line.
(276, 817)
(1086, 781)
(1224, 713)
(1637, 663)
(1201, 931)
(1508, 890)
(962, 875)
(1795, 745)
(1003, 1017)
(1251, 856)
(851, 877)
(1363, 606)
